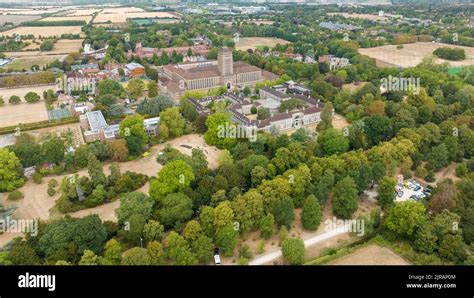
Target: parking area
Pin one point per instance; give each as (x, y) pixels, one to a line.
(410, 190)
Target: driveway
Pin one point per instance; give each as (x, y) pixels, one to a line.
(271, 256)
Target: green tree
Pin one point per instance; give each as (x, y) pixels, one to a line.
(153, 231)
(153, 89)
(32, 97)
(405, 218)
(89, 258)
(267, 226)
(426, 239)
(132, 129)
(386, 192)
(27, 150)
(178, 250)
(174, 209)
(202, 247)
(344, 201)
(94, 168)
(135, 88)
(173, 177)
(96, 197)
(438, 157)
(136, 256)
(132, 231)
(53, 150)
(293, 251)
(248, 210)
(453, 248)
(284, 212)
(332, 141)
(118, 149)
(378, 128)
(311, 213)
(155, 252)
(134, 203)
(326, 117)
(14, 100)
(109, 87)
(21, 253)
(192, 230)
(215, 135)
(10, 171)
(47, 45)
(227, 238)
(113, 252)
(173, 121)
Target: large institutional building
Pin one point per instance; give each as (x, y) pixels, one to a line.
(176, 79)
(271, 98)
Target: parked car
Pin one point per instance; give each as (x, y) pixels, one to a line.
(217, 257)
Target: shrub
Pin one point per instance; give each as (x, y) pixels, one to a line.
(51, 191)
(461, 169)
(430, 177)
(421, 172)
(282, 235)
(450, 54)
(261, 247)
(15, 195)
(244, 252)
(293, 250)
(243, 261)
(53, 183)
(37, 178)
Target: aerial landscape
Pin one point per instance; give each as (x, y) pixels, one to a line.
(236, 133)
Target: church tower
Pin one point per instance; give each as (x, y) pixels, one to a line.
(225, 63)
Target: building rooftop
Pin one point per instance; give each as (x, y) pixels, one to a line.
(96, 120)
(85, 66)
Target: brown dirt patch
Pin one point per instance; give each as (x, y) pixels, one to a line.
(371, 255)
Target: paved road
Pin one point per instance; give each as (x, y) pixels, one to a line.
(271, 256)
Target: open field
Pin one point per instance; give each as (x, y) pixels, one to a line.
(84, 12)
(353, 87)
(66, 46)
(85, 18)
(121, 9)
(245, 43)
(61, 47)
(28, 11)
(122, 16)
(412, 54)
(22, 113)
(17, 19)
(339, 122)
(28, 61)
(371, 255)
(21, 91)
(364, 16)
(47, 31)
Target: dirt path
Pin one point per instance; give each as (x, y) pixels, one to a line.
(371, 255)
(269, 257)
